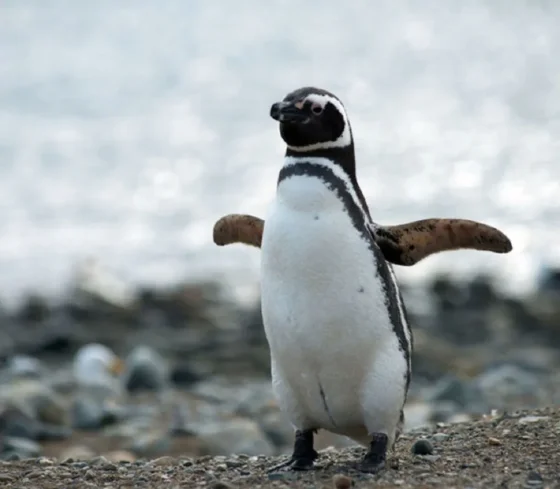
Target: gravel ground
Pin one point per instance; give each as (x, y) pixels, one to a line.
(511, 450)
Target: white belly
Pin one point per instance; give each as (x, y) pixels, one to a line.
(335, 359)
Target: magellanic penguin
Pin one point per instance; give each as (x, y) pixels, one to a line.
(332, 311)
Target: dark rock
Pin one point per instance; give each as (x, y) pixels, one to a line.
(17, 424)
(184, 375)
(146, 370)
(422, 447)
(33, 309)
(550, 280)
(58, 334)
(458, 326)
(48, 432)
(447, 294)
(534, 479)
(480, 293)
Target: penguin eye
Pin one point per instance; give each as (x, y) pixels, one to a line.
(316, 109)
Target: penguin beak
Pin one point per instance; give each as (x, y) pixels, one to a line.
(288, 112)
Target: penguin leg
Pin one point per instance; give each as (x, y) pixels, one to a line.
(303, 455)
(374, 459)
(383, 394)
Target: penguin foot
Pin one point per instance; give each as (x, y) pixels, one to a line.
(374, 459)
(304, 454)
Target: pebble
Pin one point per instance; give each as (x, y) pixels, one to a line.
(341, 481)
(422, 447)
(532, 419)
(6, 478)
(494, 441)
(439, 437)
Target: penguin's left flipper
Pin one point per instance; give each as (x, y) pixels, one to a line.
(403, 244)
(407, 244)
(238, 228)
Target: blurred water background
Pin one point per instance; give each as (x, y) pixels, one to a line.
(127, 128)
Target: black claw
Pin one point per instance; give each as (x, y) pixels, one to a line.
(374, 459)
(304, 454)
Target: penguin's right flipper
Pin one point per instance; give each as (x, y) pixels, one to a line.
(238, 228)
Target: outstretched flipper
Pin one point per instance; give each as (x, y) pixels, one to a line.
(238, 228)
(407, 244)
(403, 244)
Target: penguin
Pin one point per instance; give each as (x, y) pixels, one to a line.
(335, 322)
(403, 244)
(334, 318)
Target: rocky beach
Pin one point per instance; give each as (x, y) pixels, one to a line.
(507, 450)
(111, 387)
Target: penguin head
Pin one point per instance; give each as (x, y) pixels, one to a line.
(312, 119)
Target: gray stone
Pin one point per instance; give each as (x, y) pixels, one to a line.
(151, 444)
(38, 401)
(21, 366)
(439, 437)
(19, 424)
(145, 370)
(507, 385)
(23, 447)
(237, 436)
(87, 413)
(463, 394)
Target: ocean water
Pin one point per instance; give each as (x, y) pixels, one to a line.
(128, 127)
